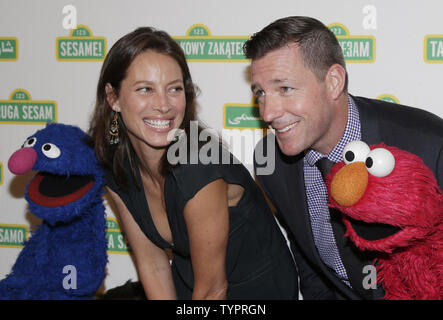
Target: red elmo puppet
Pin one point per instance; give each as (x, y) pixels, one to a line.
(395, 193)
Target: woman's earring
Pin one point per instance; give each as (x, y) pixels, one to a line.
(113, 131)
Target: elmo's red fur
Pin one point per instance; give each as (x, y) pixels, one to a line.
(410, 264)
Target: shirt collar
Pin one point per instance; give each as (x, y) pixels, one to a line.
(352, 132)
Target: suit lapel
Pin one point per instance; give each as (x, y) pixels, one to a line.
(301, 222)
(295, 185)
(354, 259)
(370, 132)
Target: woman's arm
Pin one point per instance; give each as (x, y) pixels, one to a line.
(152, 262)
(207, 220)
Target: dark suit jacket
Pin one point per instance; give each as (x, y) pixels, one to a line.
(411, 129)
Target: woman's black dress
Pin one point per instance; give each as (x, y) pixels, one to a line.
(259, 264)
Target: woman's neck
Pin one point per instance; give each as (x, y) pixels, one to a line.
(150, 162)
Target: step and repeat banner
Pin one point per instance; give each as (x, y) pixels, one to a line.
(51, 52)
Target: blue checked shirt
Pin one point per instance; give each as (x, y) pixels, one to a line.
(317, 195)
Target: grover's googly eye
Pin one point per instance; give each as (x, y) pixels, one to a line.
(380, 162)
(51, 150)
(355, 151)
(30, 142)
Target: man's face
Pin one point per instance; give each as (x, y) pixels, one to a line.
(292, 100)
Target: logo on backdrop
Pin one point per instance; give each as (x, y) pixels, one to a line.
(8, 49)
(433, 48)
(199, 45)
(13, 235)
(115, 238)
(80, 45)
(21, 109)
(242, 116)
(360, 49)
(388, 98)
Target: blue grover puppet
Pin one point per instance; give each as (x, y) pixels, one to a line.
(66, 257)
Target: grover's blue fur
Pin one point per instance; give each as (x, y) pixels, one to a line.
(71, 235)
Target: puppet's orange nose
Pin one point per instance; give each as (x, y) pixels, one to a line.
(349, 184)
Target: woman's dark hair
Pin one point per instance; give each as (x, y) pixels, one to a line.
(318, 45)
(114, 71)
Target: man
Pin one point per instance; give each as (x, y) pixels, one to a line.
(299, 77)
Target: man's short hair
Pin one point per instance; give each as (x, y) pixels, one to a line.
(318, 45)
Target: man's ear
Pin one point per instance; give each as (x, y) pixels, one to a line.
(335, 81)
(112, 98)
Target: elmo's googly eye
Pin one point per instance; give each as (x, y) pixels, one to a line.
(355, 151)
(51, 150)
(380, 162)
(30, 142)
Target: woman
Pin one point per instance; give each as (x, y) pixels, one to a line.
(213, 215)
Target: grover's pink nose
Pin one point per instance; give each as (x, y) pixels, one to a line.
(22, 160)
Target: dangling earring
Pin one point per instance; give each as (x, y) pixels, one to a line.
(113, 131)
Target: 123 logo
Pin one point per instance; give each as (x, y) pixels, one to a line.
(388, 98)
(80, 45)
(360, 49)
(199, 45)
(21, 109)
